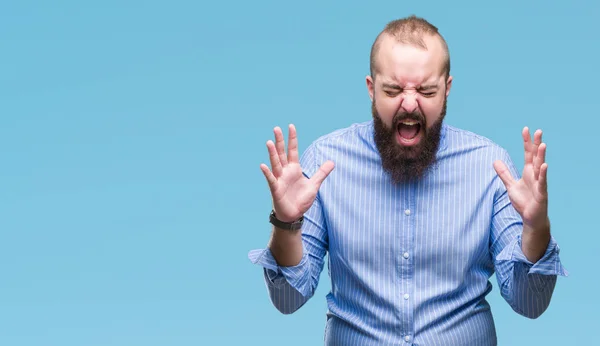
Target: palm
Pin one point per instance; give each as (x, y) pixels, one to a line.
(529, 194)
(292, 192)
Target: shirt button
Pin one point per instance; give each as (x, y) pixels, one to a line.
(405, 255)
(407, 338)
(406, 296)
(407, 212)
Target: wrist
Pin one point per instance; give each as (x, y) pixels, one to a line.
(535, 240)
(540, 227)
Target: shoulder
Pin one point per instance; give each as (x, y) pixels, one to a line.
(342, 146)
(464, 147)
(346, 134)
(357, 135)
(465, 141)
(474, 154)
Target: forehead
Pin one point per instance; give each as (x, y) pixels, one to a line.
(410, 64)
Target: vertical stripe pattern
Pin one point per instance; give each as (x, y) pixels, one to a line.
(410, 264)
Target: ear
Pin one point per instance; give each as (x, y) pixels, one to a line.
(370, 87)
(448, 85)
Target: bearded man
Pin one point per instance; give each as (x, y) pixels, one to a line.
(416, 216)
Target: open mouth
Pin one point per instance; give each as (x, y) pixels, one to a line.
(409, 132)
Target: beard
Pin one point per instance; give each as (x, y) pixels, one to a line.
(407, 164)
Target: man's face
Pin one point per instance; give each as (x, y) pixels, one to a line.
(408, 96)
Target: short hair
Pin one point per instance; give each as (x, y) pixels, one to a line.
(409, 30)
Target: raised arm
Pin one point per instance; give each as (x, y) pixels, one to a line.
(527, 262)
(293, 259)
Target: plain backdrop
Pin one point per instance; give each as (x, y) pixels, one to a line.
(131, 134)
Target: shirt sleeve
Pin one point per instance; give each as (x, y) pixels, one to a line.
(526, 286)
(289, 288)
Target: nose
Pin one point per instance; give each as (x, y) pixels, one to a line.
(409, 103)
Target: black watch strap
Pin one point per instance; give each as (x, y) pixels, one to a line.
(290, 226)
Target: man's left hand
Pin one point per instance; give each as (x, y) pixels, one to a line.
(529, 195)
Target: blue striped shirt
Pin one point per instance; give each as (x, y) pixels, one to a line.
(410, 264)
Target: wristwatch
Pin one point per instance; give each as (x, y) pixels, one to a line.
(290, 226)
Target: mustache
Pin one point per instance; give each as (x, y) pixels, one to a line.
(416, 116)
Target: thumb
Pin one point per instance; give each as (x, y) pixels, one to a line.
(271, 180)
(323, 172)
(503, 173)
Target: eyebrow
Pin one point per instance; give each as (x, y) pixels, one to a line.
(397, 87)
(428, 87)
(391, 86)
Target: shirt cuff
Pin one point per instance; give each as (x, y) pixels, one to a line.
(296, 276)
(549, 264)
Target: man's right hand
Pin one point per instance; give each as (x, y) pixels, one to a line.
(292, 192)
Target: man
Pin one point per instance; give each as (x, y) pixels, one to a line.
(416, 216)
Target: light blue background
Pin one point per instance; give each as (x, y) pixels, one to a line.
(131, 135)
